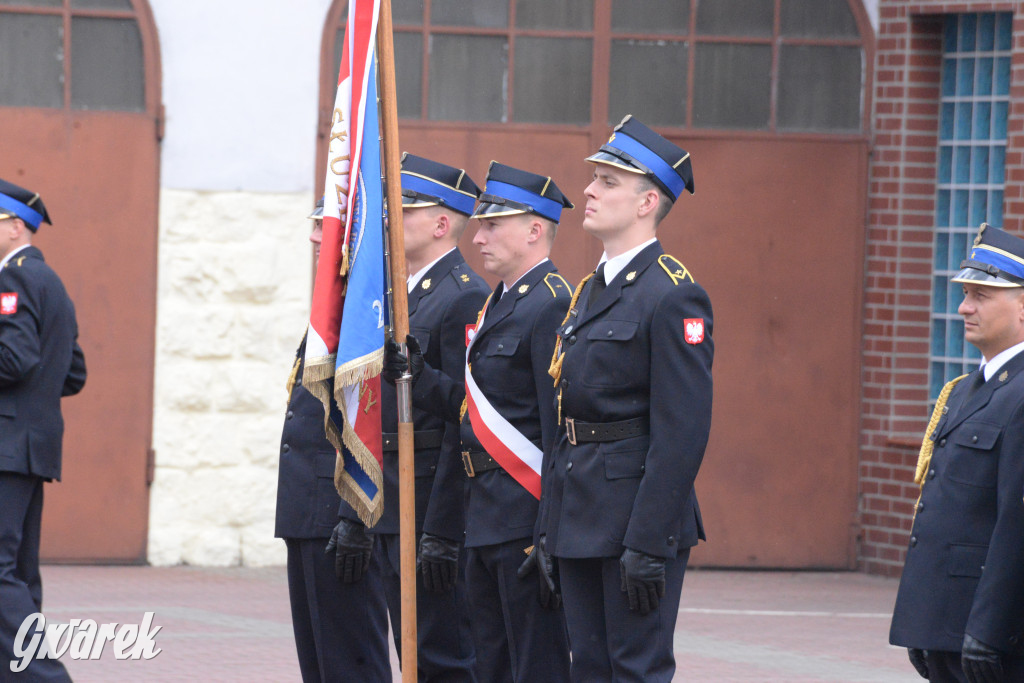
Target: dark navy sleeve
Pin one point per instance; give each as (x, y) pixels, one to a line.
(995, 617)
(680, 416)
(445, 514)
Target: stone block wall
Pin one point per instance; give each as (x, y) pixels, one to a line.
(233, 301)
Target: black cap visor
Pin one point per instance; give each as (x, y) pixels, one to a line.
(980, 273)
(492, 206)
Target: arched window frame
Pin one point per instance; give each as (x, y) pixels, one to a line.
(602, 36)
(141, 13)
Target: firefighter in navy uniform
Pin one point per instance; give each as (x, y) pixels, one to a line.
(339, 617)
(960, 605)
(444, 297)
(633, 370)
(40, 361)
(517, 638)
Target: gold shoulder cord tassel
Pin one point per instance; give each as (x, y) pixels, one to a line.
(294, 374)
(469, 368)
(555, 369)
(924, 458)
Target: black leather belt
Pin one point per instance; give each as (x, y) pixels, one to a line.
(476, 462)
(427, 438)
(583, 432)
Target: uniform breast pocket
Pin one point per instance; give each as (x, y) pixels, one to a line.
(611, 355)
(975, 460)
(505, 374)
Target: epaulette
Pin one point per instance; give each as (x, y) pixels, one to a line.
(16, 261)
(677, 272)
(462, 279)
(556, 283)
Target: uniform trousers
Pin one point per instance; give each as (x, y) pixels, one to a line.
(944, 667)
(611, 642)
(21, 589)
(515, 638)
(445, 648)
(341, 629)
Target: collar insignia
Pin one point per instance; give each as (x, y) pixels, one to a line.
(464, 277)
(1003, 377)
(523, 288)
(630, 276)
(426, 284)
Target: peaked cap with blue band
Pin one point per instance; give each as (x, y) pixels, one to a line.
(996, 259)
(635, 148)
(510, 191)
(429, 183)
(17, 202)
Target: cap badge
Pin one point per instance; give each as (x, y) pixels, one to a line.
(523, 288)
(694, 330)
(426, 284)
(630, 276)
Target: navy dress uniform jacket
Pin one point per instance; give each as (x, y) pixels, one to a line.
(511, 355)
(307, 501)
(441, 305)
(964, 569)
(627, 356)
(40, 361)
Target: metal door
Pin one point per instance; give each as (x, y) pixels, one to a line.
(90, 147)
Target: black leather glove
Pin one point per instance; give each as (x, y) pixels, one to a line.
(917, 658)
(643, 579)
(540, 560)
(981, 663)
(352, 547)
(396, 362)
(438, 562)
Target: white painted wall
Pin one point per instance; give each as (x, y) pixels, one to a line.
(240, 81)
(240, 87)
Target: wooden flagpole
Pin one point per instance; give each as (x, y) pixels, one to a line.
(400, 323)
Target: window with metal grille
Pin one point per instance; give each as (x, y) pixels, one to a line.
(975, 99)
(86, 54)
(790, 67)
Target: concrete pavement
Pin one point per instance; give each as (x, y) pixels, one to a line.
(233, 624)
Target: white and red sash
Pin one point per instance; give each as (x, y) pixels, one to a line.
(514, 452)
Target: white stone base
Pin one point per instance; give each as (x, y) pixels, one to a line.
(233, 301)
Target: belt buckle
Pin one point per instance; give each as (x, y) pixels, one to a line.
(570, 430)
(467, 464)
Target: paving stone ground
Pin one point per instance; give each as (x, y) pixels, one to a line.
(225, 625)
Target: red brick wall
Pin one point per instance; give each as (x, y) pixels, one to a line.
(901, 196)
